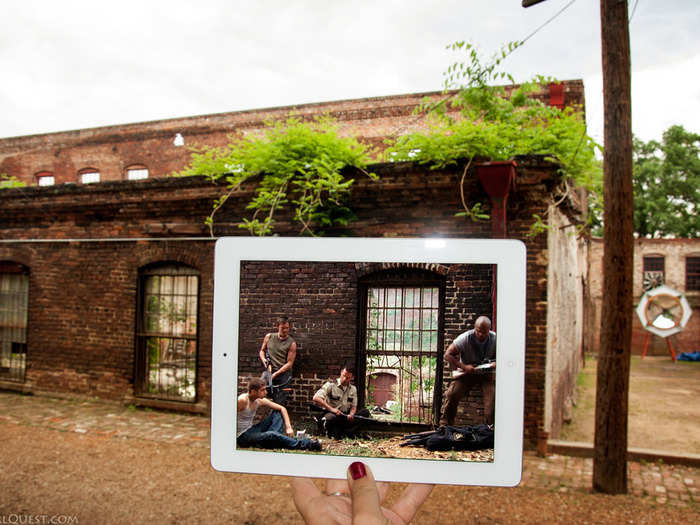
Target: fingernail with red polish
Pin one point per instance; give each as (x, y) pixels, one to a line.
(357, 470)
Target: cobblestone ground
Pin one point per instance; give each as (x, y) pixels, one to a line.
(671, 485)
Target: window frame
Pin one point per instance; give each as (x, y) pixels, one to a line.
(14, 268)
(136, 167)
(44, 175)
(650, 271)
(89, 171)
(694, 260)
(401, 278)
(141, 335)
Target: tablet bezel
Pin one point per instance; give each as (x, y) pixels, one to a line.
(509, 256)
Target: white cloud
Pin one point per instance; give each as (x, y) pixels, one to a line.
(75, 64)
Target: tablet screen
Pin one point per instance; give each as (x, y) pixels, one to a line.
(407, 353)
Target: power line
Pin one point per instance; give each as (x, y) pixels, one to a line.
(633, 10)
(547, 22)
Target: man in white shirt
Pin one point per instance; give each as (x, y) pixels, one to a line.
(268, 433)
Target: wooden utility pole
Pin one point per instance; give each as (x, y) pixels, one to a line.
(610, 453)
(612, 387)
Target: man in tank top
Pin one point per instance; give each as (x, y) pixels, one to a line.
(277, 354)
(472, 356)
(274, 431)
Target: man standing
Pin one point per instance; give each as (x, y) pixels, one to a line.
(277, 354)
(268, 432)
(467, 352)
(339, 401)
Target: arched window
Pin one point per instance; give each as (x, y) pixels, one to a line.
(136, 172)
(45, 178)
(14, 306)
(167, 332)
(89, 175)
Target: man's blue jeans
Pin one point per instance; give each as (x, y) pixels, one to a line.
(269, 433)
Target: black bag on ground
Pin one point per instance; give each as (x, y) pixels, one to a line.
(447, 437)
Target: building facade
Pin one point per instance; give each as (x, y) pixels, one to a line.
(107, 288)
(673, 262)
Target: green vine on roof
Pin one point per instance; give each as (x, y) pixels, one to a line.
(9, 181)
(300, 165)
(484, 120)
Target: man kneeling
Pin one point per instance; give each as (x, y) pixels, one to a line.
(268, 432)
(338, 399)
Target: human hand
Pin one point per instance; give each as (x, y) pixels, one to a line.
(351, 417)
(356, 501)
(289, 431)
(468, 368)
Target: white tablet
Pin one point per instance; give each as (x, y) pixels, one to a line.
(391, 307)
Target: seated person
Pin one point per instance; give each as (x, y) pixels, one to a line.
(338, 399)
(268, 432)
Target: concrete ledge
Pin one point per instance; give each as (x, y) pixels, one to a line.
(580, 449)
(175, 406)
(16, 386)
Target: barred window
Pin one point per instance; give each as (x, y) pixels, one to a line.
(14, 302)
(654, 271)
(401, 338)
(167, 332)
(692, 274)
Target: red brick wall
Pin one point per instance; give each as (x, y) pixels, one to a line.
(81, 290)
(111, 149)
(674, 252)
(82, 312)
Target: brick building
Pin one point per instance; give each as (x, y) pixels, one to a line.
(156, 149)
(674, 262)
(85, 269)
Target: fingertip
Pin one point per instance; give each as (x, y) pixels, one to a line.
(357, 470)
(365, 497)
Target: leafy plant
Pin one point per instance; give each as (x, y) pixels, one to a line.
(300, 165)
(489, 121)
(666, 181)
(10, 181)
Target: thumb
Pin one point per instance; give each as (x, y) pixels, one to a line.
(365, 496)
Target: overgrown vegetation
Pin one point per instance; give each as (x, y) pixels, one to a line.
(666, 185)
(8, 181)
(300, 164)
(483, 120)
(300, 168)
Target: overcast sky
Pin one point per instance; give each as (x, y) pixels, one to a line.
(76, 64)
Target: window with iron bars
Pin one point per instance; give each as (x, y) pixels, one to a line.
(14, 306)
(692, 274)
(167, 333)
(654, 271)
(401, 338)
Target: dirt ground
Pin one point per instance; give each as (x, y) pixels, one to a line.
(664, 411)
(85, 478)
(53, 470)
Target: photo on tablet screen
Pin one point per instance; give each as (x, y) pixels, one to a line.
(368, 340)
(387, 350)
